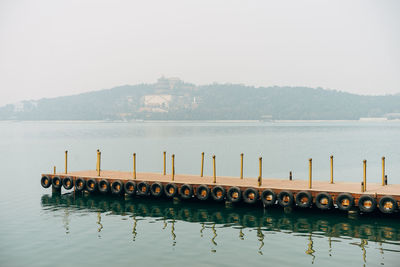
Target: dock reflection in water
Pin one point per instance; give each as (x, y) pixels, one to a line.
(312, 225)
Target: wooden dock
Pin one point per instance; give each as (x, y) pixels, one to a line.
(287, 193)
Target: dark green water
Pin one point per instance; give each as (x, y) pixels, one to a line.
(41, 229)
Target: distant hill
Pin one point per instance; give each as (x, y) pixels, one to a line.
(173, 99)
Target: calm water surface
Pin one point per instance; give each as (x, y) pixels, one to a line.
(41, 229)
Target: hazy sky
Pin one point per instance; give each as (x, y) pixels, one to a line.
(50, 48)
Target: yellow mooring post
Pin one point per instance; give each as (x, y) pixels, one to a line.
(54, 169)
(98, 162)
(383, 171)
(310, 174)
(173, 167)
(214, 171)
(241, 166)
(165, 162)
(331, 169)
(66, 161)
(365, 174)
(202, 164)
(260, 171)
(134, 165)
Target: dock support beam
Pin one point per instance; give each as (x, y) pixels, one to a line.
(331, 169)
(383, 172)
(66, 161)
(134, 165)
(365, 175)
(214, 171)
(260, 171)
(241, 166)
(165, 162)
(173, 167)
(310, 173)
(202, 164)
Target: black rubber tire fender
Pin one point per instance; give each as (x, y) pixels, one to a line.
(104, 186)
(45, 181)
(304, 199)
(91, 185)
(218, 193)
(367, 203)
(202, 192)
(285, 198)
(388, 204)
(130, 188)
(345, 201)
(68, 183)
(56, 182)
(268, 197)
(186, 191)
(323, 201)
(250, 195)
(171, 190)
(117, 187)
(80, 184)
(234, 194)
(156, 189)
(142, 189)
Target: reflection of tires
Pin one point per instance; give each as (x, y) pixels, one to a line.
(56, 182)
(91, 185)
(143, 189)
(203, 192)
(323, 201)
(387, 204)
(104, 186)
(171, 190)
(345, 201)
(45, 181)
(117, 187)
(268, 197)
(156, 189)
(233, 218)
(366, 203)
(234, 194)
(218, 193)
(80, 184)
(304, 199)
(68, 183)
(285, 199)
(130, 188)
(249, 221)
(186, 191)
(250, 195)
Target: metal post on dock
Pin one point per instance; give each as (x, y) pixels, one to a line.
(173, 167)
(165, 162)
(383, 171)
(134, 165)
(241, 166)
(98, 162)
(202, 164)
(290, 176)
(214, 171)
(310, 173)
(331, 169)
(260, 171)
(365, 175)
(54, 170)
(66, 161)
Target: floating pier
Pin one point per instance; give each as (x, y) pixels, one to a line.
(325, 195)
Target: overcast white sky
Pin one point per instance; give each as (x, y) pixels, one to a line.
(50, 48)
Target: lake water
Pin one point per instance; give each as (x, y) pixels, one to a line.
(41, 229)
